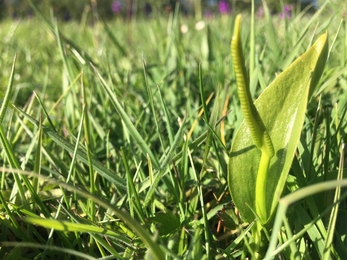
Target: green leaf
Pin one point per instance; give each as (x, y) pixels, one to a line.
(228, 217)
(167, 222)
(282, 108)
(74, 227)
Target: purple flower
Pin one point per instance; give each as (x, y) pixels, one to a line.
(287, 9)
(223, 7)
(287, 12)
(116, 6)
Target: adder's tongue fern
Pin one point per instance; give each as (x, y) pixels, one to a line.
(260, 136)
(256, 126)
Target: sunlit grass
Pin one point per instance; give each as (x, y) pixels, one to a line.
(119, 104)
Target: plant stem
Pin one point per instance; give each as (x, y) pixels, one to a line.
(260, 189)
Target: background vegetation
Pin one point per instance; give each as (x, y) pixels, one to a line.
(128, 134)
(108, 9)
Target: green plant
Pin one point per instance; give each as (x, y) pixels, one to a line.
(77, 180)
(264, 145)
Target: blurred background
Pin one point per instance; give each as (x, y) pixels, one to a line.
(128, 9)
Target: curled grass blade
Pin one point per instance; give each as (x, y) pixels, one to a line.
(286, 201)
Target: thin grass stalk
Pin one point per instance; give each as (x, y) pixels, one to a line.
(134, 200)
(38, 158)
(168, 119)
(5, 103)
(207, 234)
(334, 212)
(71, 170)
(89, 146)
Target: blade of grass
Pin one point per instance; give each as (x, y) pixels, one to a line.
(113, 38)
(89, 146)
(45, 247)
(167, 117)
(132, 129)
(48, 118)
(294, 252)
(207, 233)
(51, 27)
(122, 241)
(294, 52)
(151, 104)
(68, 226)
(199, 116)
(5, 102)
(134, 201)
(81, 155)
(291, 198)
(206, 117)
(13, 163)
(121, 214)
(308, 226)
(271, 33)
(38, 158)
(334, 212)
(165, 161)
(313, 209)
(14, 226)
(69, 176)
(253, 80)
(61, 50)
(198, 179)
(310, 167)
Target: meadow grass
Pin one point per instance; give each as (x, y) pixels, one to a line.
(115, 138)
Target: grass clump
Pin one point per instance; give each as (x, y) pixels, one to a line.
(115, 139)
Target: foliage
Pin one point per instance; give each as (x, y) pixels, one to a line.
(62, 8)
(115, 139)
(264, 145)
(66, 10)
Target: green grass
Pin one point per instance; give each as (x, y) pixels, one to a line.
(124, 166)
